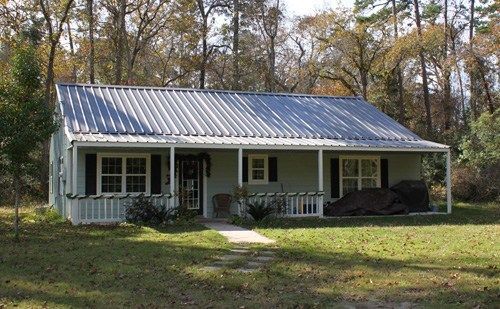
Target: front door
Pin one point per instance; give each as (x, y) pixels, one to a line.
(191, 184)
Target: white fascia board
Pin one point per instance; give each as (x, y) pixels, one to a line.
(258, 147)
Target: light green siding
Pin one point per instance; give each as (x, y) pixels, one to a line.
(297, 170)
(59, 175)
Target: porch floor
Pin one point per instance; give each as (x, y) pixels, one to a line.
(235, 234)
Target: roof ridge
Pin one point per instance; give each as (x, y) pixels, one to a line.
(211, 90)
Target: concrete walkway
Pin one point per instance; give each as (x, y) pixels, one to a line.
(236, 234)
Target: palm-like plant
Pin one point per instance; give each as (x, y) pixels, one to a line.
(259, 210)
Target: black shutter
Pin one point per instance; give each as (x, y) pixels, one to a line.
(90, 174)
(245, 169)
(155, 174)
(384, 173)
(273, 169)
(334, 178)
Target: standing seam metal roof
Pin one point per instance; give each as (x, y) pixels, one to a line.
(92, 112)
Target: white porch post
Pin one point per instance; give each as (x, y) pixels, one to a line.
(240, 167)
(240, 175)
(172, 171)
(74, 185)
(320, 182)
(448, 181)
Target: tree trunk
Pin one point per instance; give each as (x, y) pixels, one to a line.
(425, 86)
(90, 15)
(491, 107)
(364, 82)
(204, 60)
(72, 51)
(447, 109)
(16, 206)
(50, 74)
(401, 107)
(236, 44)
(44, 164)
(120, 46)
(272, 65)
(472, 101)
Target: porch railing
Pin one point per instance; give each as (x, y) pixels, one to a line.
(111, 208)
(290, 204)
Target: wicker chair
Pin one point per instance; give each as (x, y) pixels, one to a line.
(222, 203)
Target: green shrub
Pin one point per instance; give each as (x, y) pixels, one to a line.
(476, 177)
(142, 211)
(260, 210)
(183, 214)
(44, 215)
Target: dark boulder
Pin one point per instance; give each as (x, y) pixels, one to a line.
(414, 194)
(365, 202)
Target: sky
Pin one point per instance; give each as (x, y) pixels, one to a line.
(306, 7)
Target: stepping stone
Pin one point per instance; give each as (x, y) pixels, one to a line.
(229, 257)
(246, 270)
(239, 250)
(264, 258)
(221, 263)
(267, 252)
(254, 264)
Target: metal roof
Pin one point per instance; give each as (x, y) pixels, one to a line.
(100, 113)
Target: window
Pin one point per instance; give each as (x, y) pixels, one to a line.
(358, 173)
(123, 174)
(257, 169)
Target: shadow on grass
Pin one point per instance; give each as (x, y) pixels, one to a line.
(101, 266)
(117, 266)
(462, 215)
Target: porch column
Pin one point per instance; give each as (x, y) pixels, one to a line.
(448, 181)
(240, 175)
(320, 182)
(172, 170)
(73, 213)
(240, 167)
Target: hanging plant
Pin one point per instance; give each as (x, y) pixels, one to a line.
(202, 156)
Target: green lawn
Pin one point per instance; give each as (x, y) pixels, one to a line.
(429, 260)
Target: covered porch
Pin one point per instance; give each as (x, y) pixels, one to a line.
(302, 177)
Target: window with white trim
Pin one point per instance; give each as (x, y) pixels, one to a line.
(123, 174)
(258, 169)
(357, 173)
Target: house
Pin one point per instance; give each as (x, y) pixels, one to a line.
(115, 142)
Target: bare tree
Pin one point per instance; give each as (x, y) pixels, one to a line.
(425, 85)
(401, 107)
(54, 21)
(205, 10)
(152, 18)
(120, 42)
(270, 15)
(91, 58)
(236, 45)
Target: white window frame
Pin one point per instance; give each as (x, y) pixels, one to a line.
(252, 181)
(359, 158)
(124, 157)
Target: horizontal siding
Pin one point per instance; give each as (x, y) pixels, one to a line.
(297, 170)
